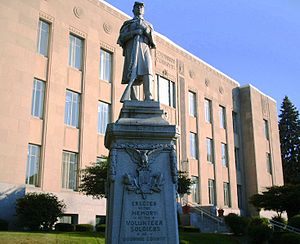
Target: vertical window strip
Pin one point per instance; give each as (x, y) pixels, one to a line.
(193, 145)
(209, 146)
(69, 170)
(72, 109)
(195, 189)
(38, 98)
(211, 191)
(192, 104)
(166, 91)
(226, 190)
(103, 117)
(75, 52)
(43, 38)
(222, 117)
(105, 65)
(269, 163)
(207, 110)
(224, 155)
(33, 165)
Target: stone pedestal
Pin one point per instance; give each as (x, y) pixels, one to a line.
(142, 176)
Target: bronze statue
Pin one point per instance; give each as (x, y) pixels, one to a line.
(136, 39)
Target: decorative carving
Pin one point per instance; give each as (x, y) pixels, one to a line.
(107, 46)
(207, 82)
(77, 32)
(221, 90)
(46, 16)
(180, 67)
(144, 183)
(165, 72)
(165, 60)
(192, 74)
(78, 12)
(142, 146)
(107, 28)
(112, 165)
(173, 165)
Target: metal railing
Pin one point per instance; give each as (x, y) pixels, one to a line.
(283, 226)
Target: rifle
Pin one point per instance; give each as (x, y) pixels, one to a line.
(132, 68)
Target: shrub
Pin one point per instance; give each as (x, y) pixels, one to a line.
(279, 219)
(237, 224)
(38, 210)
(259, 230)
(84, 227)
(3, 224)
(64, 227)
(290, 238)
(295, 221)
(190, 229)
(100, 227)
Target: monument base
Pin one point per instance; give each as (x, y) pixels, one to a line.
(142, 176)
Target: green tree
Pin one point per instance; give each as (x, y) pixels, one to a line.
(279, 199)
(289, 130)
(184, 183)
(39, 210)
(93, 179)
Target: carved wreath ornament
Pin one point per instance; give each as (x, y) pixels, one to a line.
(144, 182)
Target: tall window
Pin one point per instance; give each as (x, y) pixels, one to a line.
(222, 117)
(166, 91)
(69, 170)
(72, 109)
(235, 122)
(224, 155)
(43, 38)
(103, 116)
(37, 104)
(209, 150)
(33, 165)
(207, 107)
(75, 52)
(226, 191)
(195, 189)
(240, 196)
(193, 145)
(192, 104)
(211, 192)
(237, 158)
(105, 65)
(269, 163)
(266, 129)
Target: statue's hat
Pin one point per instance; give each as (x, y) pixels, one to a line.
(138, 3)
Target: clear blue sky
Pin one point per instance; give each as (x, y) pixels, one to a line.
(252, 41)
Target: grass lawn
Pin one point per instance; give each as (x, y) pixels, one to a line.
(10, 237)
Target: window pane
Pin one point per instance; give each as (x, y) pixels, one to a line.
(72, 109)
(103, 117)
(207, 104)
(43, 38)
(75, 52)
(33, 165)
(237, 159)
(192, 104)
(193, 145)
(235, 123)
(266, 129)
(195, 189)
(166, 91)
(222, 117)
(269, 163)
(211, 192)
(105, 65)
(224, 155)
(240, 196)
(209, 147)
(226, 190)
(37, 104)
(69, 170)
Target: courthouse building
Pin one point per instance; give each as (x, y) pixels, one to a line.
(60, 84)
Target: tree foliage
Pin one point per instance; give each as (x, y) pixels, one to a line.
(39, 210)
(289, 130)
(93, 179)
(279, 199)
(184, 183)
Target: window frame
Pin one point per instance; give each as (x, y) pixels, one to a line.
(207, 111)
(209, 148)
(192, 104)
(224, 154)
(171, 92)
(38, 98)
(35, 165)
(100, 126)
(193, 145)
(211, 192)
(222, 115)
(66, 181)
(73, 55)
(226, 194)
(107, 63)
(69, 110)
(40, 37)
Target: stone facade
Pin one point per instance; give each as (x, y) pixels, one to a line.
(97, 24)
